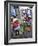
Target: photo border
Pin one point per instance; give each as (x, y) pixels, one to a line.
(6, 22)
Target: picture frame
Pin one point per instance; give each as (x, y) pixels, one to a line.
(7, 11)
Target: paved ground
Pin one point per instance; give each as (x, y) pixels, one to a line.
(23, 35)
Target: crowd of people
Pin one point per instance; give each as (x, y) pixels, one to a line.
(22, 24)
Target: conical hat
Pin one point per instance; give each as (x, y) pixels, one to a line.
(15, 19)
